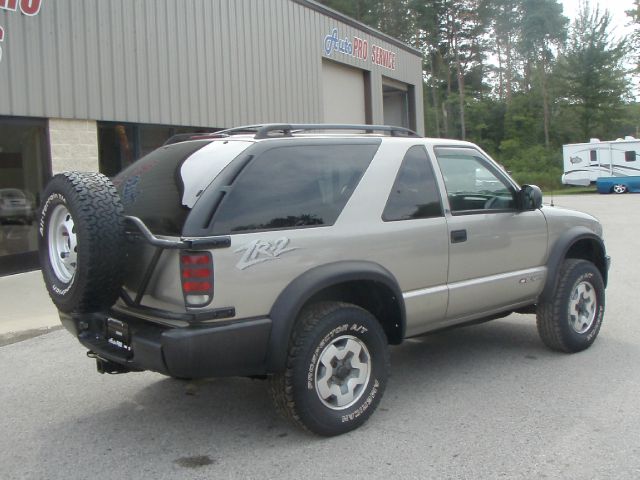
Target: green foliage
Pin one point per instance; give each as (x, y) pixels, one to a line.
(592, 75)
(533, 165)
(546, 84)
(634, 15)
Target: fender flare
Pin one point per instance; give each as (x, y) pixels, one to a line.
(559, 252)
(291, 300)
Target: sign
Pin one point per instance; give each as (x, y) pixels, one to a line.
(30, 8)
(359, 48)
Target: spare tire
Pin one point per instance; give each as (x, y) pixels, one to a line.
(81, 242)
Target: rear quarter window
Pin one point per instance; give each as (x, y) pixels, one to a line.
(293, 187)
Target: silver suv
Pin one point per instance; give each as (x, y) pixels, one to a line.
(300, 252)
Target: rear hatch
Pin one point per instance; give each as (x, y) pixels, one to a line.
(161, 189)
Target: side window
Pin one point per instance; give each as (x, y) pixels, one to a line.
(630, 156)
(473, 183)
(415, 193)
(593, 154)
(293, 187)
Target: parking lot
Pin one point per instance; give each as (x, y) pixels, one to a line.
(488, 401)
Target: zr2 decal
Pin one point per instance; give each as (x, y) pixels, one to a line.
(260, 251)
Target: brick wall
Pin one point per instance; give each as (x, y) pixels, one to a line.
(74, 145)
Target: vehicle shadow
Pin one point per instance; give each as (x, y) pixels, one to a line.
(186, 419)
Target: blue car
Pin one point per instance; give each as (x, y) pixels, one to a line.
(618, 184)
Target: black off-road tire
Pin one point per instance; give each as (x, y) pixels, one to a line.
(97, 217)
(294, 391)
(554, 317)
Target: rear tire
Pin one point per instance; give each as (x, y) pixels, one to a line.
(81, 242)
(336, 370)
(570, 320)
(619, 188)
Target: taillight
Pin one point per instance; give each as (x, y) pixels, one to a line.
(196, 270)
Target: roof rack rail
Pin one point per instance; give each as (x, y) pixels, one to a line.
(287, 130)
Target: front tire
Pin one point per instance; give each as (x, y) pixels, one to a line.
(336, 370)
(619, 188)
(570, 320)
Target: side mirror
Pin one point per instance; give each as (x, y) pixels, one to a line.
(530, 197)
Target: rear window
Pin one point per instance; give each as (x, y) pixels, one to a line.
(162, 187)
(293, 187)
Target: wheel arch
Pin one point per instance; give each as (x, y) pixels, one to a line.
(578, 242)
(366, 284)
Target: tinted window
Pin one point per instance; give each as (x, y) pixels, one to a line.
(472, 182)
(630, 156)
(152, 188)
(414, 193)
(593, 155)
(297, 186)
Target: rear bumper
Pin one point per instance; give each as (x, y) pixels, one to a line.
(230, 349)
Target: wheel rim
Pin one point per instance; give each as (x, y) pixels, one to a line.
(619, 188)
(583, 305)
(63, 244)
(342, 372)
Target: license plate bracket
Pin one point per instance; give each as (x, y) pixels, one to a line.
(118, 334)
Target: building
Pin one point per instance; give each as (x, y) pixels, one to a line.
(96, 84)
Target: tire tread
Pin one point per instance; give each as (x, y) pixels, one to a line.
(547, 313)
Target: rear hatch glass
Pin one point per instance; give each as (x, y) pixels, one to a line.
(162, 187)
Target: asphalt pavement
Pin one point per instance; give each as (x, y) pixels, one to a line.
(488, 401)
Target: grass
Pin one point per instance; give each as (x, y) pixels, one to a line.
(571, 191)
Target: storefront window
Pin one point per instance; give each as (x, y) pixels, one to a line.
(121, 144)
(24, 168)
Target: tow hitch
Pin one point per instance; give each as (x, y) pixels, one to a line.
(106, 366)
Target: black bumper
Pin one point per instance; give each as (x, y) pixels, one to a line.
(235, 348)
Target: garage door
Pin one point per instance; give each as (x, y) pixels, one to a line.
(395, 99)
(344, 93)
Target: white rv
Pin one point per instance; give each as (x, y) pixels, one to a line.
(586, 162)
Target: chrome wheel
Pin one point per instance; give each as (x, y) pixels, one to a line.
(63, 244)
(583, 305)
(342, 372)
(619, 188)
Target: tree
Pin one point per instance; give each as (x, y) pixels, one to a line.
(543, 28)
(505, 23)
(593, 75)
(634, 13)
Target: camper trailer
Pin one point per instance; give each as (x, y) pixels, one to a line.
(584, 163)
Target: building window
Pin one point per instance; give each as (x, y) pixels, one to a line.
(121, 144)
(24, 168)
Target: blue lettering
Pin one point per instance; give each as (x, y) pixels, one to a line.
(333, 43)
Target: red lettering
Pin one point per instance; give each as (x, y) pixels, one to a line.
(365, 47)
(1, 34)
(9, 4)
(30, 7)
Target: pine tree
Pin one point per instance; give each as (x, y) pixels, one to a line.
(593, 74)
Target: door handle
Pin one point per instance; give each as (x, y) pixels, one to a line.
(458, 236)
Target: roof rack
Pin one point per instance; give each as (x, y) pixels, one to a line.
(287, 130)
